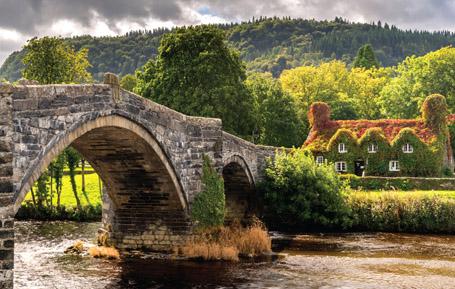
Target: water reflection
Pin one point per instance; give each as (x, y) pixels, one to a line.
(313, 261)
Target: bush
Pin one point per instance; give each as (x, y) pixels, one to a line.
(299, 194)
(28, 211)
(208, 208)
(412, 212)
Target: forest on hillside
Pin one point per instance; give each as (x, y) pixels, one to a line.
(265, 44)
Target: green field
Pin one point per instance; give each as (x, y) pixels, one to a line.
(92, 186)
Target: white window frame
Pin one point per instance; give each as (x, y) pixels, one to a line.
(341, 167)
(407, 148)
(342, 148)
(394, 166)
(320, 160)
(372, 148)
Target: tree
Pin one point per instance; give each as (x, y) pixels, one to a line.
(418, 77)
(57, 167)
(50, 60)
(208, 208)
(366, 58)
(128, 82)
(327, 82)
(277, 123)
(365, 90)
(197, 74)
(72, 160)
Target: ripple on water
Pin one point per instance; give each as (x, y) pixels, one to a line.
(313, 261)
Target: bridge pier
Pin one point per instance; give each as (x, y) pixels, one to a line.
(6, 188)
(6, 253)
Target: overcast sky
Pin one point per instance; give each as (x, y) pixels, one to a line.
(23, 19)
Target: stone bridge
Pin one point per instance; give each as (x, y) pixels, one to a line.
(148, 156)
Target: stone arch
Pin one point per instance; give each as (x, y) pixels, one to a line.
(239, 187)
(60, 142)
(145, 194)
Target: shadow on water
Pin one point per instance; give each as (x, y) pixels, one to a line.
(313, 261)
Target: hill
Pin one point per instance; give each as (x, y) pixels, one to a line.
(266, 44)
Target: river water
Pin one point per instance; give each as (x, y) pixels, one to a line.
(364, 260)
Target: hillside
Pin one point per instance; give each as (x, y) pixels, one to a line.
(266, 44)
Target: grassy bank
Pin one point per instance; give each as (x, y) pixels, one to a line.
(403, 211)
(91, 209)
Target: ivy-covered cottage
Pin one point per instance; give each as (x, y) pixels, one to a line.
(386, 147)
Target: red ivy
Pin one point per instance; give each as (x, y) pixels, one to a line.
(451, 118)
(391, 127)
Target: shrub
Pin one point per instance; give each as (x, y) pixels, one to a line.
(208, 209)
(300, 194)
(86, 213)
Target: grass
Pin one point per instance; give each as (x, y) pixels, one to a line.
(228, 243)
(92, 186)
(403, 211)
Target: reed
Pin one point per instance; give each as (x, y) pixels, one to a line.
(228, 243)
(104, 252)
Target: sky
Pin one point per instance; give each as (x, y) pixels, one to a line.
(21, 20)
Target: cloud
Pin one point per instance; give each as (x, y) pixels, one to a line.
(28, 18)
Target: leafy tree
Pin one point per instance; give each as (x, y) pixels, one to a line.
(327, 82)
(42, 191)
(208, 208)
(365, 90)
(300, 194)
(128, 82)
(197, 74)
(72, 160)
(56, 168)
(277, 123)
(51, 60)
(366, 58)
(266, 44)
(418, 77)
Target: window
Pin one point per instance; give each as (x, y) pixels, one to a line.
(372, 148)
(340, 167)
(342, 148)
(394, 166)
(319, 160)
(407, 149)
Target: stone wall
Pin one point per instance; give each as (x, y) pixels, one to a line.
(6, 188)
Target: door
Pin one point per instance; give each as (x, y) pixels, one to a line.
(359, 167)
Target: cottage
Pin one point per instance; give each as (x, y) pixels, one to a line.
(385, 147)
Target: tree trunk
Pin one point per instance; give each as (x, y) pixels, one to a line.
(74, 187)
(83, 182)
(33, 197)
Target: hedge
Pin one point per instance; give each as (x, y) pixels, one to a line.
(398, 183)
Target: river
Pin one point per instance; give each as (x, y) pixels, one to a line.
(360, 260)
